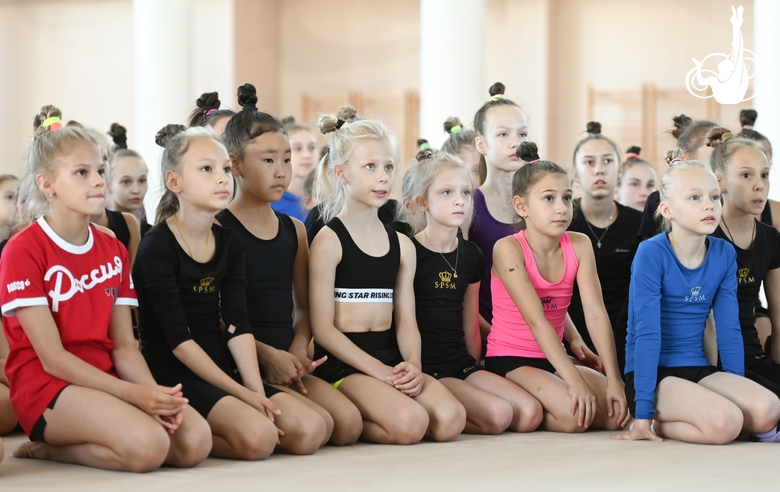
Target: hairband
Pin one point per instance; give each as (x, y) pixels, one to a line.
(456, 129)
(726, 136)
(249, 107)
(428, 154)
(52, 123)
(425, 145)
(535, 160)
(747, 127)
(210, 111)
(339, 123)
(675, 161)
(497, 97)
(632, 155)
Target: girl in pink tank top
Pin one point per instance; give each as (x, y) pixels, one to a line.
(532, 281)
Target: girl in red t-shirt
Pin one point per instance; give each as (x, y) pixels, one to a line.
(79, 386)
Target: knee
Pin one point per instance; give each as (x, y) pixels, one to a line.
(348, 426)
(7, 423)
(447, 422)
(411, 423)
(530, 417)
(725, 424)
(569, 425)
(499, 418)
(147, 450)
(305, 434)
(191, 447)
(765, 413)
(257, 441)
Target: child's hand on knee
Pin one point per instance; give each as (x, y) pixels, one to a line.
(408, 378)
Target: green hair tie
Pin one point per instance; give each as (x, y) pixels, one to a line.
(456, 129)
(424, 146)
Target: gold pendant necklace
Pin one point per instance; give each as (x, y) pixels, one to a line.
(457, 255)
(208, 238)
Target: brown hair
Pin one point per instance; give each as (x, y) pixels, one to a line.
(249, 123)
(118, 134)
(497, 98)
(634, 159)
(459, 138)
(594, 133)
(724, 144)
(690, 134)
(208, 102)
(747, 118)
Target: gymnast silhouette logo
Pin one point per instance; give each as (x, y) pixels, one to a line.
(730, 83)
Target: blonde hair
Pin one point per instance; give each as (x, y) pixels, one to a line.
(724, 145)
(176, 140)
(418, 180)
(47, 148)
(342, 143)
(667, 182)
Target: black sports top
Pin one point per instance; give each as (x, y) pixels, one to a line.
(439, 299)
(269, 279)
(766, 215)
(361, 277)
(752, 267)
(314, 223)
(118, 225)
(180, 299)
(145, 227)
(650, 226)
(613, 265)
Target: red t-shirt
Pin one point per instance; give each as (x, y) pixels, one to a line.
(80, 285)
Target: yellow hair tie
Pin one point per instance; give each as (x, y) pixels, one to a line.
(52, 123)
(726, 136)
(456, 129)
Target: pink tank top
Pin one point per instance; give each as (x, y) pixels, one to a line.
(510, 334)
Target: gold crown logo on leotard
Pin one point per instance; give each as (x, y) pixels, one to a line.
(205, 282)
(445, 276)
(743, 272)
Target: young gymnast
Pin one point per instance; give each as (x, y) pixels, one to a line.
(8, 418)
(533, 277)
(207, 113)
(500, 127)
(747, 117)
(691, 145)
(637, 180)
(8, 216)
(190, 275)
(362, 295)
(742, 170)
(446, 288)
(127, 178)
(461, 143)
(277, 267)
(677, 278)
(612, 229)
(79, 386)
(304, 157)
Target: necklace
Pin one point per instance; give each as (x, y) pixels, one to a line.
(731, 236)
(457, 255)
(208, 238)
(599, 238)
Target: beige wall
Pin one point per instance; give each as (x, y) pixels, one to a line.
(78, 55)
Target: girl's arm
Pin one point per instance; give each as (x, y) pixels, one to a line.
(579, 347)
(325, 256)
(471, 321)
(484, 327)
(509, 266)
(135, 236)
(410, 378)
(725, 310)
(772, 291)
(598, 325)
(302, 322)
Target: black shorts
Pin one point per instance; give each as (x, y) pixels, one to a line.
(693, 374)
(381, 345)
(461, 369)
(502, 365)
(40, 425)
(202, 396)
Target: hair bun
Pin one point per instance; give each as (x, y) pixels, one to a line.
(287, 120)
(423, 144)
(680, 122)
(593, 127)
(327, 124)
(718, 135)
(497, 89)
(634, 150)
(247, 97)
(672, 155)
(166, 133)
(46, 112)
(424, 154)
(528, 152)
(347, 113)
(451, 123)
(118, 134)
(208, 101)
(748, 117)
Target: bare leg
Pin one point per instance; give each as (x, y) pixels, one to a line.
(447, 415)
(486, 413)
(389, 416)
(692, 413)
(324, 415)
(598, 383)
(89, 427)
(347, 422)
(240, 432)
(191, 443)
(552, 392)
(303, 427)
(760, 407)
(527, 412)
(7, 416)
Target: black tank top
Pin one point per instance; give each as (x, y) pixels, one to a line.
(269, 279)
(361, 277)
(766, 215)
(118, 225)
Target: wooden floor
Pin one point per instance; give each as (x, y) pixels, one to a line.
(536, 461)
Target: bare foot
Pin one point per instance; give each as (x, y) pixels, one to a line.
(28, 450)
